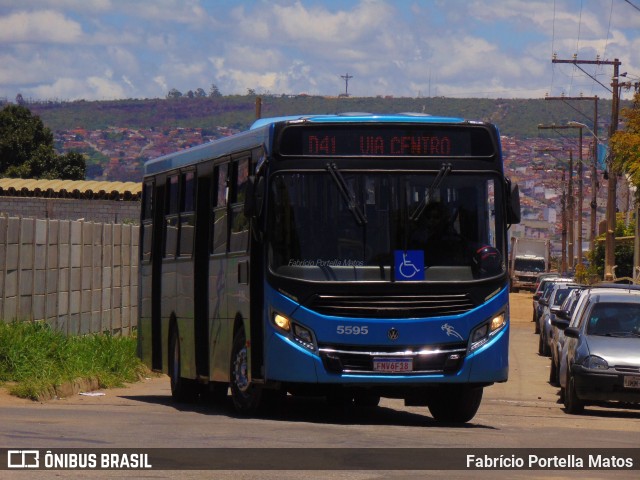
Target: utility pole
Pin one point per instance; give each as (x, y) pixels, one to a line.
(595, 185)
(258, 107)
(346, 83)
(563, 215)
(610, 241)
(572, 213)
(564, 227)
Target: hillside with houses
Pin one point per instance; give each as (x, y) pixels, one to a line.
(118, 137)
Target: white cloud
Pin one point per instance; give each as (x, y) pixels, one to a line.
(99, 88)
(101, 48)
(161, 82)
(184, 12)
(44, 26)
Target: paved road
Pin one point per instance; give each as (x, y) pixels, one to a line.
(524, 412)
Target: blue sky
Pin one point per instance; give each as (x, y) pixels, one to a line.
(112, 49)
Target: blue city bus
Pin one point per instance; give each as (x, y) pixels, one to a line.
(352, 256)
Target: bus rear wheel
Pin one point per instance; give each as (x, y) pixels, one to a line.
(182, 389)
(245, 395)
(455, 404)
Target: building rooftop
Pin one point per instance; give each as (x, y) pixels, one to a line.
(21, 187)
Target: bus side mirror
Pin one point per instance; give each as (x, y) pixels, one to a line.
(513, 204)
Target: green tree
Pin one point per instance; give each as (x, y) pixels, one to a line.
(26, 149)
(625, 143)
(214, 91)
(623, 251)
(21, 136)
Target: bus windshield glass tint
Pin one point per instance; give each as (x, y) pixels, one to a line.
(384, 227)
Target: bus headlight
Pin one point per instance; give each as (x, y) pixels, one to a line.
(302, 333)
(282, 322)
(479, 333)
(296, 332)
(484, 332)
(497, 323)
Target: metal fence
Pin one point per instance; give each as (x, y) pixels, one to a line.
(80, 277)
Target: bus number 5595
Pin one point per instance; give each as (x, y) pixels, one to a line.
(352, 330)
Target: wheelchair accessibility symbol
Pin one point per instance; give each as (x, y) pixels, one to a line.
(409, 265)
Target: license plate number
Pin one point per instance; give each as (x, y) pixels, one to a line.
(631, 382)
(392, 365)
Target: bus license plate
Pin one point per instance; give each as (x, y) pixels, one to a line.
(392, 365)
(631, 382)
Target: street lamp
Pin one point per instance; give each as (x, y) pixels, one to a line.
(582, 125)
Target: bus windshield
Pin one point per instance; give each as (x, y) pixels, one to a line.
(351, 225)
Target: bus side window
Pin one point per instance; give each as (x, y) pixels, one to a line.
(171, 218)
(239, 240)
(147, 222)
(187, 213)
(220, 197)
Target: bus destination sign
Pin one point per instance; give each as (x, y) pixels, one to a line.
(413, 141)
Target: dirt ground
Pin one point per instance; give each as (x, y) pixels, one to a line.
(521, 306)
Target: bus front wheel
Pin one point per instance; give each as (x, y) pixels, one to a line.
(245, 395)
(455, 404)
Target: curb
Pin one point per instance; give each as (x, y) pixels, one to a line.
(69, 389)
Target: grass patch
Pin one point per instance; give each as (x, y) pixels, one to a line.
(34, 357)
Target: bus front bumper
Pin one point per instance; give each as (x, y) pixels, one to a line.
(289, 362)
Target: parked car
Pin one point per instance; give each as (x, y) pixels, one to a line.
(600, 360)
(559, 321)
(559, 291)
(543, 299)
(542, 280)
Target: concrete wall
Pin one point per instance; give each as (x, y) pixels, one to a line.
(80, 277)
(91, 210)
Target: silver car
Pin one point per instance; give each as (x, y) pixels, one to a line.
(600, 362)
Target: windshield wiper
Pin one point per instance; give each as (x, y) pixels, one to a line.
(442, 173)
(352, 204)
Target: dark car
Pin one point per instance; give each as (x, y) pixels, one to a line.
(543, 279)
(600, 362)
(542, 300)
(561, 317)
(559, 291)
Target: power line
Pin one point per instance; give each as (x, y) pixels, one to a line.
(634, 6)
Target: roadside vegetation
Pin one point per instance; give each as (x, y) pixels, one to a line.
(34, 357)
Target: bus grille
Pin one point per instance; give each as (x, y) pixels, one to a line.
(437, 359)
(422, 306)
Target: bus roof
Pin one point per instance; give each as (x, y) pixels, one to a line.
(216, 148)
(358, 117)
(261, 130)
